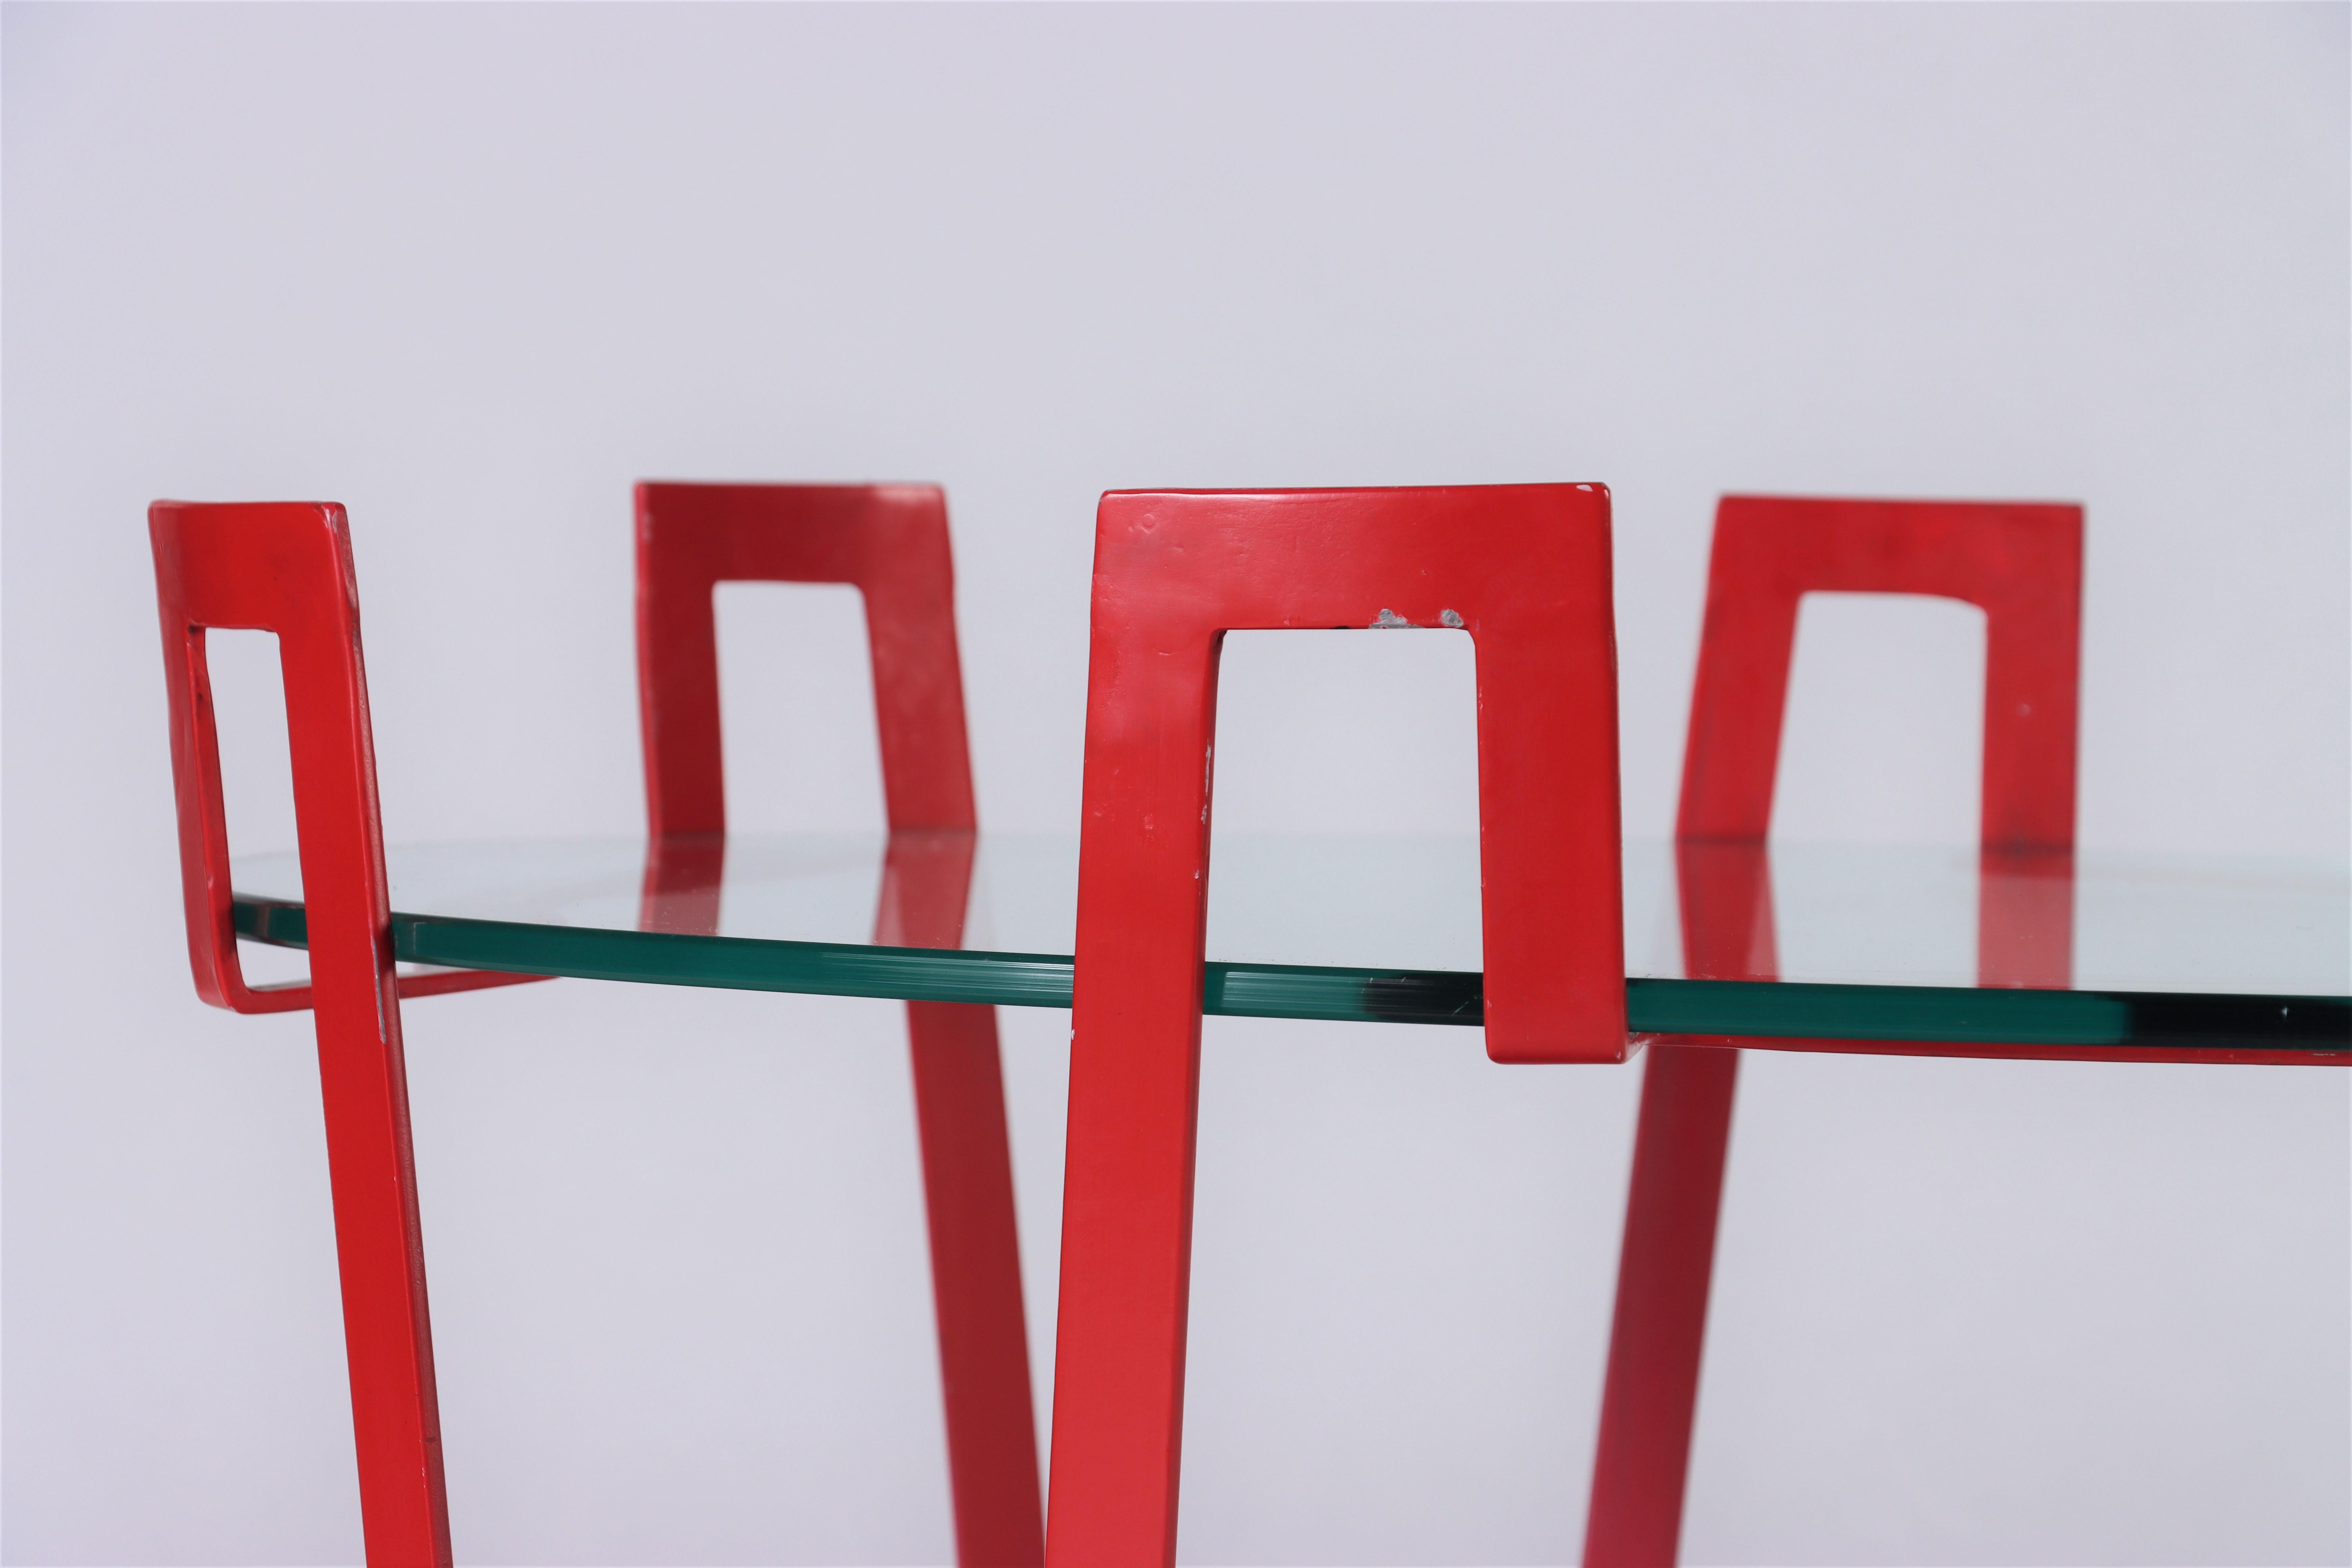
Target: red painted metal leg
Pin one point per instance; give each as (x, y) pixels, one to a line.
(1659, 1333)
(1127, 1261)
(891, 542)
(1525, 570)
(380, 1253)
(2022, 564)
(967, 1196)
(287, 568)
(976, 1280)
(1661, 1324)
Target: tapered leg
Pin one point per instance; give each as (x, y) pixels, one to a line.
(1127, 1241)
(976, 1279)
(380, 1252)
(1635, 1520)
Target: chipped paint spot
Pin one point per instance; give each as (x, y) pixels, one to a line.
(1449, 618)
(1389, 618)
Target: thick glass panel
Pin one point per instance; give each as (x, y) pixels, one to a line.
(1843, 942)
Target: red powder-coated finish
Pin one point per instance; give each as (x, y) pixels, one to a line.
(1679, 1143)
(1663, 1272)
(1525, 569)
(204, 883)
(891, 542)
(2022, 564)
(286, 567)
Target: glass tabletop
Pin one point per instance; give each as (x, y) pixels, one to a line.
(1808, 946)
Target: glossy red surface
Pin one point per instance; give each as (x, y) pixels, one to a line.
(2023, 565)
(196, 743)
(891, 542)
(286, 567)
(1526, 570)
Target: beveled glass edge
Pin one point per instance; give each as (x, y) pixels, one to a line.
(1756, 1009)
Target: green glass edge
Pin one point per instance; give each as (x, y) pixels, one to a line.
(1752, 1008)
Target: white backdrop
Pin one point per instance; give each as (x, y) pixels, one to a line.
(473, 271)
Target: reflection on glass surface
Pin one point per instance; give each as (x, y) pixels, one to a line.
(924, 892)
(1818, 913)
(1726, 908)
(1899, 913)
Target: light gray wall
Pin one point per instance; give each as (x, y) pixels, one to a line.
(473, 271)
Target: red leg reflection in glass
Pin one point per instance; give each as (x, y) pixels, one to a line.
(891, 542)
(685, 874)
(2022, 566)
(1726, 892)
(2025, 918)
